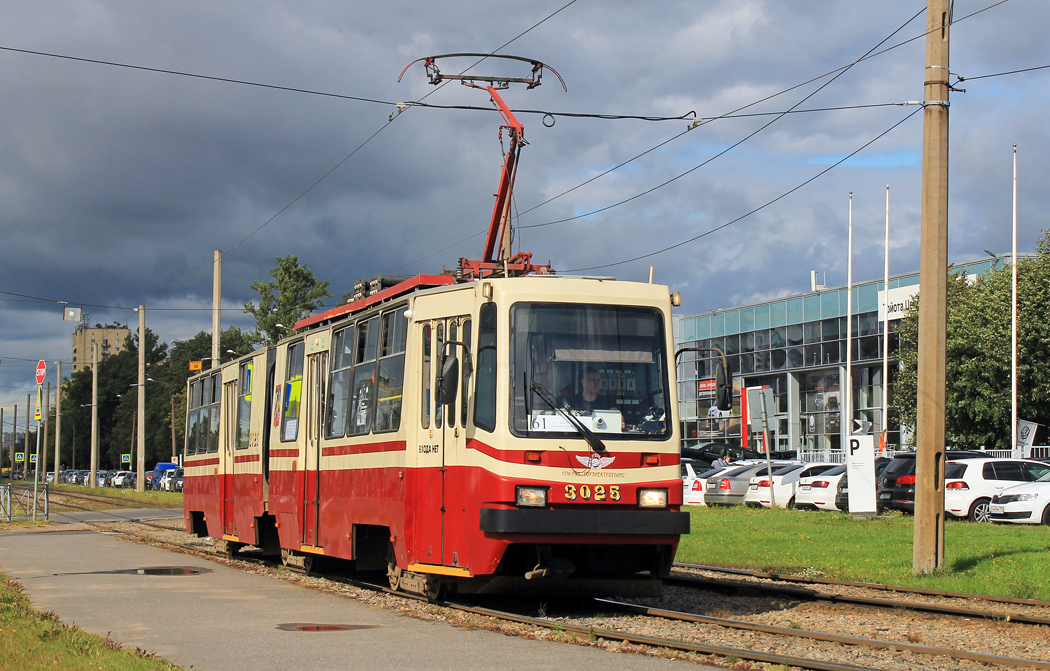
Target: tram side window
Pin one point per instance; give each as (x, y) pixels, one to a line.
(244, 404)
(193, 417)
(391, 370)
(293, 392)
(215, 382)
(203, 422)
(339, 386)
(466, 378)
(453, 333)
(485, 386)
(364, 377)
(425, 397)
(439, 347)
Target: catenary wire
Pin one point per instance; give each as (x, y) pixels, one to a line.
(761, 207)
(731, 147)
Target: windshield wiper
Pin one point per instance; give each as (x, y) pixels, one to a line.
(594, 441)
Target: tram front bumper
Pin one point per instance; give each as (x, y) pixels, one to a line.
(629, 522)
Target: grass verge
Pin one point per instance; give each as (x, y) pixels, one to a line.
(32, 640)
(1000, 560)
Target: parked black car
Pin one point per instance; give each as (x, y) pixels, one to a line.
(896, 485)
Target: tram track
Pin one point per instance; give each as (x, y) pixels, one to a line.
(634, 624)
(750, 587)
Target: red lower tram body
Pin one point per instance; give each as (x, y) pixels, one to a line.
(452, 526)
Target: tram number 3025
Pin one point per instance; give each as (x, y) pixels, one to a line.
(595, 493)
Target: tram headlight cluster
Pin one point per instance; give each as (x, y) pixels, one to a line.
(652, 498)
(530, 497)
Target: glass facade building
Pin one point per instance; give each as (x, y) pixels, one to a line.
(796, 346)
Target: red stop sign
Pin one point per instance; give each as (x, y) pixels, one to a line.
(41, 372)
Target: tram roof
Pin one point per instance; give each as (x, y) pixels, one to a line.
(410, 285)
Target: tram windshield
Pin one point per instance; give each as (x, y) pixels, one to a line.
(604, 364)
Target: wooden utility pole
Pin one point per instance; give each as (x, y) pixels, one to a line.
(928, 546)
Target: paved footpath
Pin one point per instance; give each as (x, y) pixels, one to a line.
(225, 619)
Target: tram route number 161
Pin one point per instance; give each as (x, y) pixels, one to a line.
(595, 493)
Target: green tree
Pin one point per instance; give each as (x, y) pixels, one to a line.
(977, 408)
(294, 294)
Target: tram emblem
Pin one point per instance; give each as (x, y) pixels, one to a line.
(595, 461)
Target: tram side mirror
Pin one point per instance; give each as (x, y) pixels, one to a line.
(723, 388)
(448, 380)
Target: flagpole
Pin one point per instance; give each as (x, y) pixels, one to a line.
(886, 333)
(847, 387)
(1013, 325)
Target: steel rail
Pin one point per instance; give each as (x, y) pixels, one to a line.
(638, 639)
(832, 638)
(811, 595)
(126, 503)
(815, 665)
(786, 577)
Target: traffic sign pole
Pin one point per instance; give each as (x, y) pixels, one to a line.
(41, 373)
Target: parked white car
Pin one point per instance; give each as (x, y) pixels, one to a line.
(818, 491)
(970, 484)
(1023, 504)
(763, 490)
(118, 478)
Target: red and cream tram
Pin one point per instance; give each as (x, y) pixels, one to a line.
(495, 430)
(434, 434)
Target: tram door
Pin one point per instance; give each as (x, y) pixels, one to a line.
(313, 416)
(441, 439)
(229, 441)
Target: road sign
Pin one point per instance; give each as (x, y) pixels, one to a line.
(20, 456)
(125, 458)
(41, 372)
(196, 365)
(32, 458)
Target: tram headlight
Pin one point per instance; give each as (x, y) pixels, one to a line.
(530, 497)
(652, 498)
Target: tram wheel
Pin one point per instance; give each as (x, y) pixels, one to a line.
(435, 589)
(286, 555)
(393, 571)
(309, 563)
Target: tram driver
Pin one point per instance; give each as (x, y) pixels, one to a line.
(590, 397)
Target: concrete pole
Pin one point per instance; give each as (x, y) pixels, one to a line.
(47, 410)
(2, 434)
(928, 546)
(58, 420)
(140, 477)
(92, 477)
(25, 446)
(14, 435)
(216, 299)
(173, 450)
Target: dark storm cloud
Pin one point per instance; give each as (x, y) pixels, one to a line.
(117, 184)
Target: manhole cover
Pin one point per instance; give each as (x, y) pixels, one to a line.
(324, 627)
